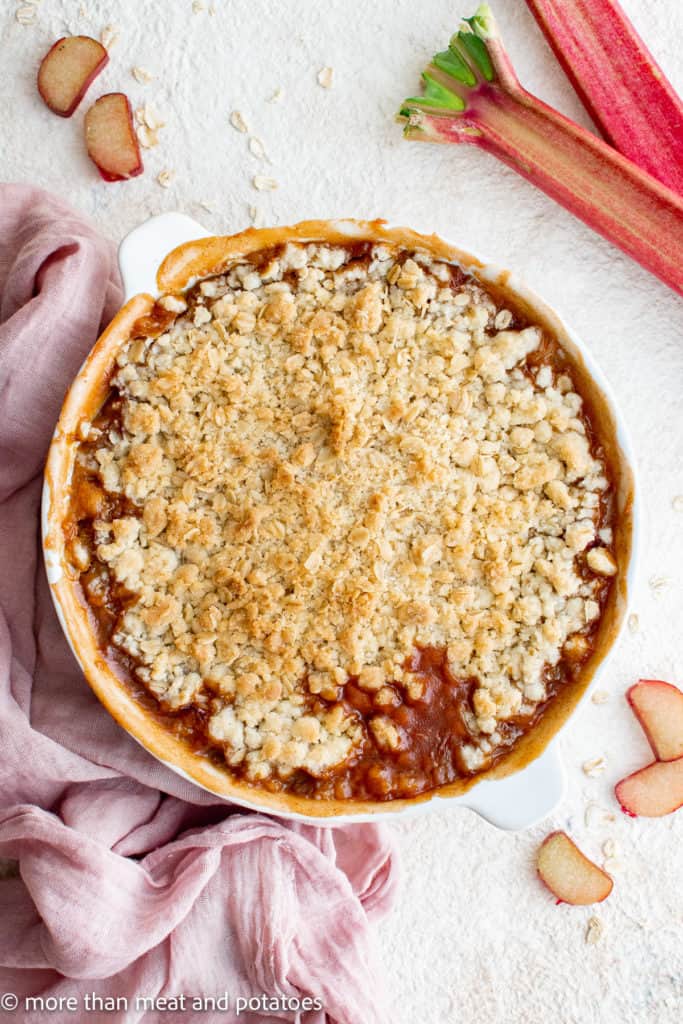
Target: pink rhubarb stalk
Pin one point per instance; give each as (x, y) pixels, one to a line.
(620, 83)
(472, 94)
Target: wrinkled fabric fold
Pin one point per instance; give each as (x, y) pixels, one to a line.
(133, 882)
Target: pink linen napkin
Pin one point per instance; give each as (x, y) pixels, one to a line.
(133, 882)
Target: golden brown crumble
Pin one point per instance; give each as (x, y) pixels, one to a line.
(330, 463)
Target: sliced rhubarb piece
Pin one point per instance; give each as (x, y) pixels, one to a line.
(658, 706)
(653, 791)
(619, 81)
(67, 70)
(472, 95)
(570, 875)
(111, 139)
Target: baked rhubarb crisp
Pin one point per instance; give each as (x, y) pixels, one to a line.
(344, 522)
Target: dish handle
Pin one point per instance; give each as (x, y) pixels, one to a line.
(143, 249)
(524, 798)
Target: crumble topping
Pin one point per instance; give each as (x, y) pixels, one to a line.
(328, 463)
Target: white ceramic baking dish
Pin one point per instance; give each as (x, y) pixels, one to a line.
(512, 802)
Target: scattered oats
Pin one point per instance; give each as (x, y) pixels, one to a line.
(600, 697)
(149, 124)
(593, 931)
(258, 217)
(197, 7)
(238, 122)
(594, 811)
(263, 184)
(165, 178)
(110, 34)
(26, 15)
(633, 623)
(147, 138)
(325, 78)
(594, 767)
(151, 118)
(257, 149)
(153, 122)
(677, 503)
(610, 848)
(207, 205)
(612, 864)
(590, 812)
(83, 11)
(141, 75)
(278, 95)
(659, 583)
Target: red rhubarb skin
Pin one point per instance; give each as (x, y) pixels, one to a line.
(606, 879)
(589, 178)
(87, 82)
(673, 694)
(619, 82)
(132, 142)
(666, 776)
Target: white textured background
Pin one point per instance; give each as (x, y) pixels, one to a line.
(474, 936)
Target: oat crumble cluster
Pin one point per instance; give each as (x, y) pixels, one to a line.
(333, 461)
